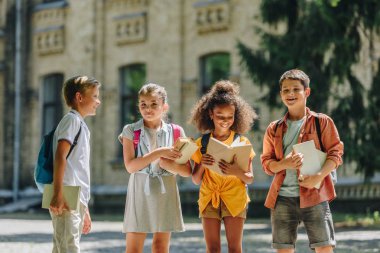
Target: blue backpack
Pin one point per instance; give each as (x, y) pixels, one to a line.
(43, 172)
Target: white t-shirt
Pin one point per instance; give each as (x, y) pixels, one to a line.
(77, 172)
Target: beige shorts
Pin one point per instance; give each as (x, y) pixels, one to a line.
(220, 212)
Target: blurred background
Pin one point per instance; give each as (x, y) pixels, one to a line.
(186, 45)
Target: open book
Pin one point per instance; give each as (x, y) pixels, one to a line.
(187, 147)
(313, 159)
(220, 151)
(70, 193)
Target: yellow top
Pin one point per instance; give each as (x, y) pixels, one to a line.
(214, 186)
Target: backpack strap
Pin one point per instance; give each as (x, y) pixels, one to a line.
(236, 135)
(277, 124)
(136, 139)
(319, 133)
(75, 142)
(204, 142)
(206, 138)
(137, 133)
(176, 131)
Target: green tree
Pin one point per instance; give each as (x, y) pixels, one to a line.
(325, 38)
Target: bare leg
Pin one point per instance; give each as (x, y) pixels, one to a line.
(211, 231)
(234, 233)
(135, 242)
(325, 249)
(285, 251)
(161, 242)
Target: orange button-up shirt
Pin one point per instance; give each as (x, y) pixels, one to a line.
(273, 151)
(230, 189)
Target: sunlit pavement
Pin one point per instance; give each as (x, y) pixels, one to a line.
(32, 236)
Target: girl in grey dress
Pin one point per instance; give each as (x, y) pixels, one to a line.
(153, 203)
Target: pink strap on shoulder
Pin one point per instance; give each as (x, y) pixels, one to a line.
(176, 131)
(136, 138)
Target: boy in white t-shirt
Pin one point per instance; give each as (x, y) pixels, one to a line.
(81, 94)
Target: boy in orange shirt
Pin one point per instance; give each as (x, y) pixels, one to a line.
(293, 198)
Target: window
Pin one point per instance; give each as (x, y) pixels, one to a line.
(51, 1)
(52, 102)
(214, 67)
(132, 77)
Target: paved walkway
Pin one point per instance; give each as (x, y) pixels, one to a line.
(34, 236)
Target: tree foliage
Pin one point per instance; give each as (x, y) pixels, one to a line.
(325, 39)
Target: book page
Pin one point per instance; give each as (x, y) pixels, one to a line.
(70, 193)
(311, 164)
(187, 147)
(313, 159)
(220, 151)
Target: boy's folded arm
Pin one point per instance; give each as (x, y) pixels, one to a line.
(331, 141)
(327, 167)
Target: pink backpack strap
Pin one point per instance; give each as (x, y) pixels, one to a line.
(176, 131)
(136, 139)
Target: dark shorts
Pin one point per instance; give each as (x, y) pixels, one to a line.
(287, 215)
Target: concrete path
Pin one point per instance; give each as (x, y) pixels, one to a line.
(34, 236)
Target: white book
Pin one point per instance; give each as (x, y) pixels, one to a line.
(313, 159)
(220, 150)
(70, 193)
(187, 147)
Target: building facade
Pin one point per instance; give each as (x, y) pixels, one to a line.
(184, 45)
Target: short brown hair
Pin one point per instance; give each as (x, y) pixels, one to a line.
(295, 74)
(77, 84)
(154, 89)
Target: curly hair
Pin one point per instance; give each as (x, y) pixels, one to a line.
(223, 92)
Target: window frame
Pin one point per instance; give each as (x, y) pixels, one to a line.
(205, 81)
(55, 102)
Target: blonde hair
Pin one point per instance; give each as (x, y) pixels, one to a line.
(77, 84)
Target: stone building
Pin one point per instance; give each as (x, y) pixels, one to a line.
(184, 45)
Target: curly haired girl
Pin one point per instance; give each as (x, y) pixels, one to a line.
(225, 116)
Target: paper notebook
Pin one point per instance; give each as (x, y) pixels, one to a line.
(313, 159)
(187, 147)
(70, 193)
(220, 150)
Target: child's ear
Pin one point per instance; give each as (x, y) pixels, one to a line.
(166, 107)
(78, 96)
(307, 92)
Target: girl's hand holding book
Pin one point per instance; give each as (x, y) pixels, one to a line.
(207, 160)
(230, 168)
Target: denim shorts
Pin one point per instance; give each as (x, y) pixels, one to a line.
(287, 215)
